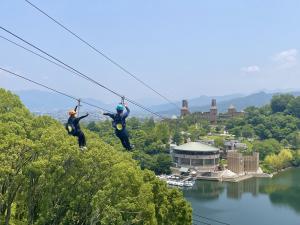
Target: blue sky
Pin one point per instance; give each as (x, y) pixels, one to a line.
(183, 49)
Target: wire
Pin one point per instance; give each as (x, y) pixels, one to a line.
(218, 221)
(101, 53)
(52, 89)
(49, 60)
(82, 75)
(198, 221)
(37, 54)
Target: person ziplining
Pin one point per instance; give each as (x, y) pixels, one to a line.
(119, 124)
(74, 129)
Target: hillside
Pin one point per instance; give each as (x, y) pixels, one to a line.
(46, 179)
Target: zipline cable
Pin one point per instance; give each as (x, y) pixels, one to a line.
(37, 54)
(82, 75)
(198, 221)
(101, 53)
(217, 221)
(43, 57)
(52, 89)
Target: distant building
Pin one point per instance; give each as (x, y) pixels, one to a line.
(240, 164)
(185, 108)
(212, 115)
(197, 156)
(213, 112)
(233, 145)
(231, 112)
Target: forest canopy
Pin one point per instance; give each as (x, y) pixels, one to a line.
(46, 179)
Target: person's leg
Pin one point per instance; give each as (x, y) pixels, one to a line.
(78, 138)
(81, 139)
(120, 136)
(126, 140)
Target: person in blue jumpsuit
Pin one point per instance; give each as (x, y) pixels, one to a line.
(119, 123)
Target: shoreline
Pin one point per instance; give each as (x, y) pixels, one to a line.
(244, 176)
(234, 179)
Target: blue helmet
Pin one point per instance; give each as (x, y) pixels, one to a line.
(120, 107)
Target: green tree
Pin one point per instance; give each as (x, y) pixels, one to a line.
(46, 179)
(293, 107)
(247, 131)
(162, 132)
(266, 147)
(177, 138)
(219, 142)
(279, 161)
(262, 132)
(279, 103)
(294, 139)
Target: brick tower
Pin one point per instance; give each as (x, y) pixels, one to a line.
(213, 112)
(185, 108)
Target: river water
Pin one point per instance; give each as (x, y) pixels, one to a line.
(257, 201)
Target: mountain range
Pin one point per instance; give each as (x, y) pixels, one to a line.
(47, 102)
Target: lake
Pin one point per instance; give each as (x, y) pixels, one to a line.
(257, 201)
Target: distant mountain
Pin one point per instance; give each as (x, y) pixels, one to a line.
(203, 100)
(257, 99)
(42, 102)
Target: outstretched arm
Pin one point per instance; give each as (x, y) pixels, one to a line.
(76, 108)
(81, 117)
(110, 115)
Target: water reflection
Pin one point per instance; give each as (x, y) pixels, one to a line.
(205, 190)
(236, 190)
(282, 190)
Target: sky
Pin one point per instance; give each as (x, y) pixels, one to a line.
(182, 49)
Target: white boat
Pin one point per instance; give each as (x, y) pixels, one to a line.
(181, 183)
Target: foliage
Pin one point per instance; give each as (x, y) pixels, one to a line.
(279, 120)
(296, 161)
(293, 107)
(46, 179)
(266, 147)
(279, 103)
(280, 161)
(219, 142)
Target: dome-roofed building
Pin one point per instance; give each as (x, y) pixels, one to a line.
(197, 156)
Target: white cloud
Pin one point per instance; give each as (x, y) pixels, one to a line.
(286, 59)
(251, 69)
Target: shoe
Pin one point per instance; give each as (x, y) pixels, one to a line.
(83, 148)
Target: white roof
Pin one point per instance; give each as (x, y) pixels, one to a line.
(196, 147)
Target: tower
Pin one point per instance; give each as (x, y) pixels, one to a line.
(185, 108)
(231, 111)
(213, 112)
